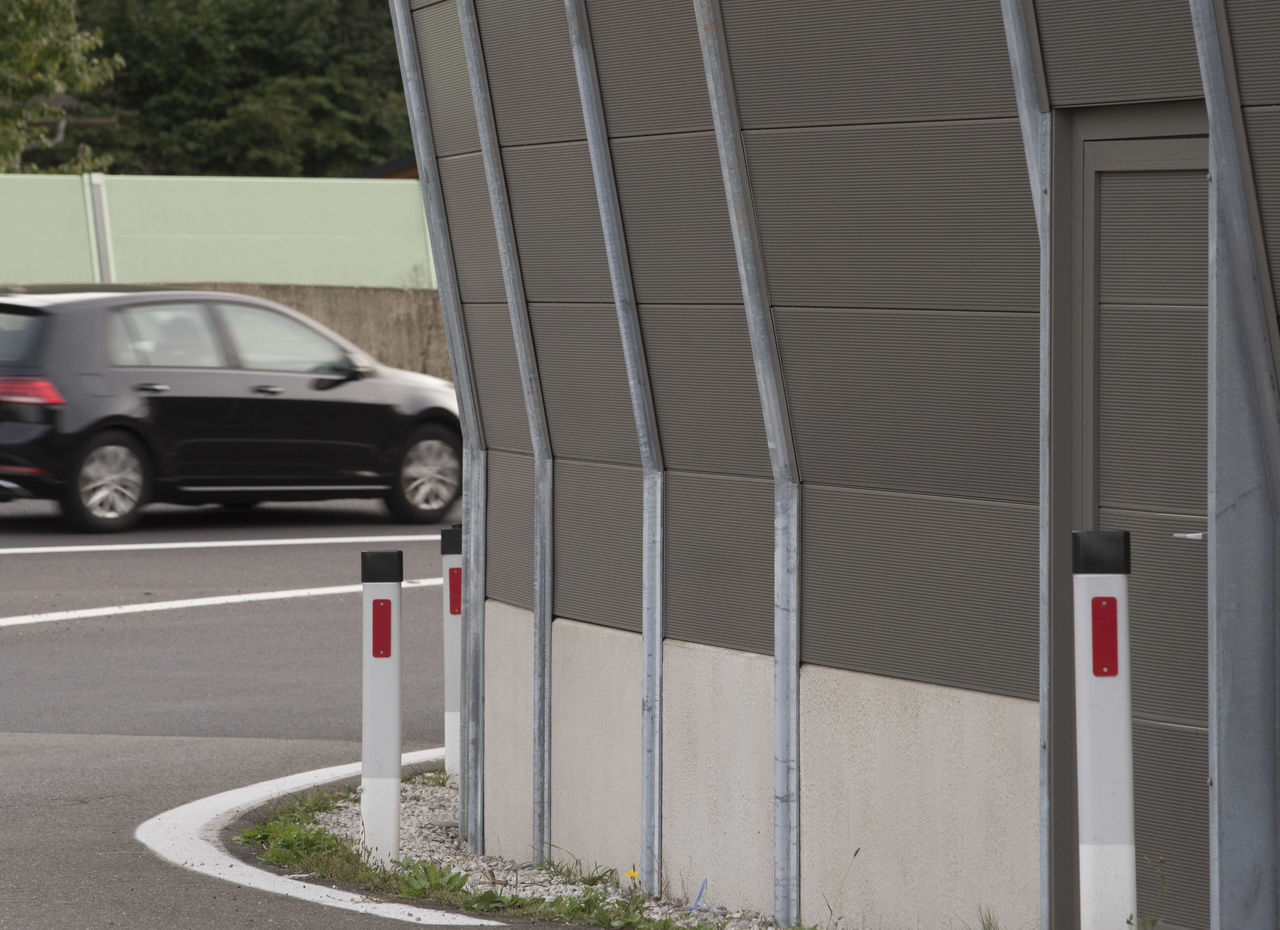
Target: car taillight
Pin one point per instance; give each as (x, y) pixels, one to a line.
(29, 391)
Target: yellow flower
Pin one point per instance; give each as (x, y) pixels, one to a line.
(632, 873)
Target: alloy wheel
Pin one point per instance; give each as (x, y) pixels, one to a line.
(430, 474)
(111, 482)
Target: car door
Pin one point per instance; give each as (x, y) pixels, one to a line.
(169, 358)
(313, 418)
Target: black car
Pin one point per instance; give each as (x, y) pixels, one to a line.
(110, 399)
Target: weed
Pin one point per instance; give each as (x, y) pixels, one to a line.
(1162, 886)
(437, 778)
(291, 840)
(419, 878)
(599, 875)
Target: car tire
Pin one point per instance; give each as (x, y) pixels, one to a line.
(428, 475)
(108, 484)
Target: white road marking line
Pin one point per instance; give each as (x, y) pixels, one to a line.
(188, 836)
(219, 544)
(146, 608)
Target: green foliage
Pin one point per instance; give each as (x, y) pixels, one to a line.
(436, 778)
(287, 843)
(290, 839)
(419, 878)
(249, 87)
(43, 54)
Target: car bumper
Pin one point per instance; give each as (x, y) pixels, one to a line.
(10, 491)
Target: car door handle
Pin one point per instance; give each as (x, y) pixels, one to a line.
(151, 387)
(267, 389)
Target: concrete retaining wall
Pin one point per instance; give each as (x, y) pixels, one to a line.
(595, 745)
(717, 775)
(508, 731)
(920, 803)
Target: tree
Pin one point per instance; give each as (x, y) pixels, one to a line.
(250, 87)
(43, 58)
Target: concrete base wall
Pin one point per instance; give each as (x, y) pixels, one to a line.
(508, 731)
(920, 804)
(400, 327)
(717, 775)
(596, 676)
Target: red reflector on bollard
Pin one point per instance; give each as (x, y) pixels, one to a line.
(455, 590)
(381, 628)
(1106, 650)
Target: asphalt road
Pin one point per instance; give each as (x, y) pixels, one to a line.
(106, 721)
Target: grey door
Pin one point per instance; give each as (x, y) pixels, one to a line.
(1139, 323)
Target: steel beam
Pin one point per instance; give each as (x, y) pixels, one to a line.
(1244, 493)
(786, 481)
(647, 433)
(474, 457)
(522, 332)
(1036, 125)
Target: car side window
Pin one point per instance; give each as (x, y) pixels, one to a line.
(271, 341)
(164, 336)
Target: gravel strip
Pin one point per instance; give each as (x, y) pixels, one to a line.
(429, 830)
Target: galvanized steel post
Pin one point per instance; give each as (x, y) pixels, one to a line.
(647, 433)
(1244, 536)
(522, 333)
(1036, 123)
(474, 457)
(786, 560)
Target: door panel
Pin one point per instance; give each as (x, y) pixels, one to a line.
(308, 422)
(1140, 464)
(168, 357)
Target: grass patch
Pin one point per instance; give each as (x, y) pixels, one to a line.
(290, 839)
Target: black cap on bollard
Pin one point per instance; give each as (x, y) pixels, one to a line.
(1100, 552)
(451, 540)
(380, 565)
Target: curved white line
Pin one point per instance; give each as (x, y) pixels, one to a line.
(187, 836)
(85, 613)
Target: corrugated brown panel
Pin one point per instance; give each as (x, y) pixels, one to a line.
(813, 62)
(529, 60)
(921, 216)
(1100, 51)
(597, 538)
(1263, 130)
(1255, 36)
(676, 219)
(925, 589)
(444, 79)
(475, 244)
(584, 383)
(1153, 237)
(933, 402)
(704, 389)
(1152, 416)
(1168, 610)
(719, 562)
(557, 222)
(497, 375)
(650, 66)
(509, 530)
(1171, 821)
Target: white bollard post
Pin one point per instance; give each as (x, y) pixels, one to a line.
(1104, 731)
(382, 573)
(451, 569)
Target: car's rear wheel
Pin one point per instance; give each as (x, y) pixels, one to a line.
(108, 484)
(428, 475)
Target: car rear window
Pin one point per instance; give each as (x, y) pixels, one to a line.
(19, 328)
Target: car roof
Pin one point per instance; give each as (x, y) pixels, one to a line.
(69, 296)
